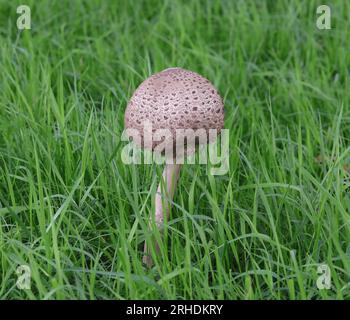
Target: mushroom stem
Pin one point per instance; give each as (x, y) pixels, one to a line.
(162, 205)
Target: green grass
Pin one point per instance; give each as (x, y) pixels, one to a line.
(73, 212)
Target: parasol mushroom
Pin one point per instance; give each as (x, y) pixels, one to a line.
(172, 99)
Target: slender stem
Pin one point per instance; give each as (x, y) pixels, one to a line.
(162, 205)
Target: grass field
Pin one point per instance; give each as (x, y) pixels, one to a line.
(77, 216)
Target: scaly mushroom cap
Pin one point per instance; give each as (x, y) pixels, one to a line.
(173, 99)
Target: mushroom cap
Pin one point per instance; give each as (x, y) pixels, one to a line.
(173, 99)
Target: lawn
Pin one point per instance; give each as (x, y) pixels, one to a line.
(77, 216)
